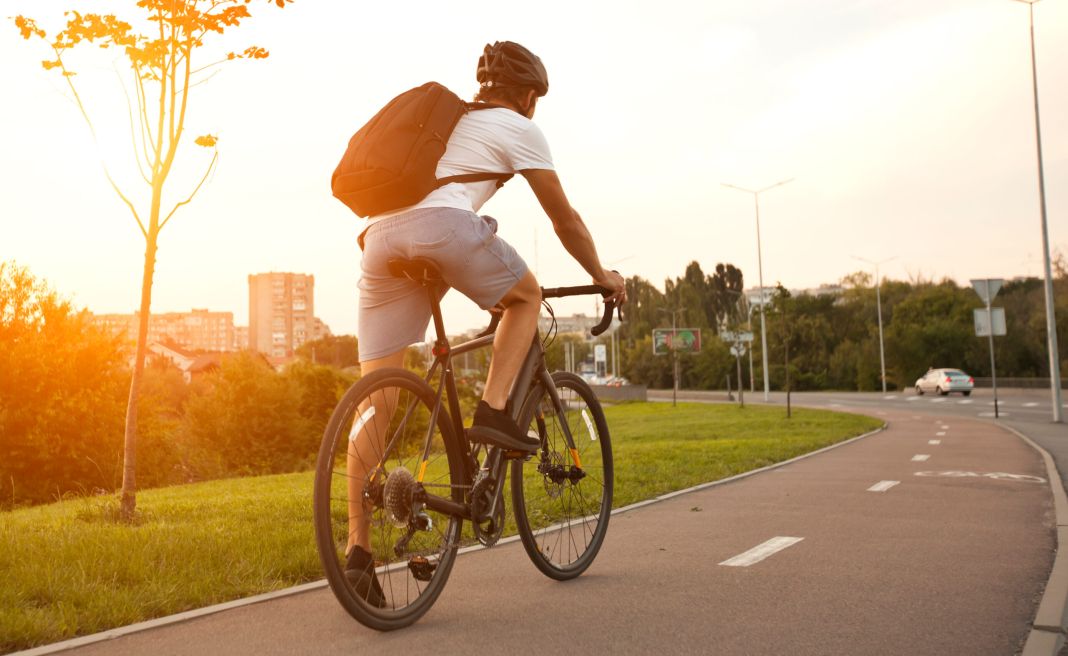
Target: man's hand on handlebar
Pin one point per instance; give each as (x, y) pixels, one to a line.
(612, 280)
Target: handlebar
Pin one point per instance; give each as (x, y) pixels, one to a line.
(560, 292)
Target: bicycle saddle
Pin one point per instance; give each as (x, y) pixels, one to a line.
(418, 269)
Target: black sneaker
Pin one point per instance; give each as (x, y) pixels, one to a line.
(497, 428)
(360, 571)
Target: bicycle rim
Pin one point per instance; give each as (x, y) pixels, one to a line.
(561, 521)
(372, 451)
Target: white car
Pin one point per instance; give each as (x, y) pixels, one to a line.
(945, 381)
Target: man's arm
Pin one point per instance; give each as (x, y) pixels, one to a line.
(571, 230)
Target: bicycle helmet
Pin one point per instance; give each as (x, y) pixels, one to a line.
(508, 64)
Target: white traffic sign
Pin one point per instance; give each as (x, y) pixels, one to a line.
(982, 323)
(731, 336)
(600, 353)
(987, 288)
(738, 350)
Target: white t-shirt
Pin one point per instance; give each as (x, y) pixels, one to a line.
(493, 140)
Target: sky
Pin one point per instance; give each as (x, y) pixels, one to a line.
(907, 128)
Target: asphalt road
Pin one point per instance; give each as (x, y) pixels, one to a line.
(1026, 410)
(869, 548)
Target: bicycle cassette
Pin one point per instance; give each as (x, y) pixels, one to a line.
(397, 496)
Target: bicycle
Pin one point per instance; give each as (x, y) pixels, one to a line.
(424, 478)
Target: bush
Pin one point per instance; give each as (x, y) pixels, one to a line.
(246, 420)
(62, 395)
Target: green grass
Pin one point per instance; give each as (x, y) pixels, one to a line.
(69, 569)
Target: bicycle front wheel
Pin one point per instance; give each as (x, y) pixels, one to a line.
(379, 449)
(562, 496)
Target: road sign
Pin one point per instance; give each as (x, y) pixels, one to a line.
(987, 288)
(982, 323)
(731, 336)
(686, 340)
(760, 296)
(738, 350)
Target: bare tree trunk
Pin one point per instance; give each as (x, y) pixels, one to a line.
(129, 469)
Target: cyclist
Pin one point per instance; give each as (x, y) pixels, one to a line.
(445, 228)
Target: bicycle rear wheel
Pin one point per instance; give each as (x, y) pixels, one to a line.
(370, 465)
(563, 498)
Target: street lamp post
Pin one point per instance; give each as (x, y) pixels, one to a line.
(1051, 320)
(760, 269)
(879, 313)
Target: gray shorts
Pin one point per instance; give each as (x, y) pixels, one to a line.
(395, 312)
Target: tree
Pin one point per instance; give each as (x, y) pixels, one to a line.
(247, 420)
(61, 393)
(161, 65)
(334, 350)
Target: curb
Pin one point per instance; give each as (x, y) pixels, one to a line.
(1048, 629)
(186, 616)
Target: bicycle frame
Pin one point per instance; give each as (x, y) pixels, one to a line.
(531, 373)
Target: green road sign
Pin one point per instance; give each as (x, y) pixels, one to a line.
(685, 340)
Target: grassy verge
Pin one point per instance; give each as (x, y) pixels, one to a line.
(68, 569)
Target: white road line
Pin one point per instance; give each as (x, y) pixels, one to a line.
(761, 551)
(920, 457)
(916, 398)
(965, 402)
(934, 442)
(991, 414)
(1030, 405)
(889, 397)
(941, 433)
(938, 400)
(882, 486)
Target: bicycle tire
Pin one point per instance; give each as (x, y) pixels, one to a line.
(331, 507)
(542, 521)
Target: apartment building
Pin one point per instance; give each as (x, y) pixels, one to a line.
(281, 312)
(197, 330)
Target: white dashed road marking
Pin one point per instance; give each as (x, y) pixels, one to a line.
(940, 433)
(882, 486)
(1030, 405)
(761, 551)
(938, 400)
(916, 398)
(991, 414)
(920, 457)
(965, 401)
(934, 442)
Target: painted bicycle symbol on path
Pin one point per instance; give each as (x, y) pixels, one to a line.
(997, 476)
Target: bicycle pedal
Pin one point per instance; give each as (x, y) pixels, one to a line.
(421, 568)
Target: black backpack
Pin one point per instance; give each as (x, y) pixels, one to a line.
(391, 162)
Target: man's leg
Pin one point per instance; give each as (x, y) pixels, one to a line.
(365, 450)
(514, 335)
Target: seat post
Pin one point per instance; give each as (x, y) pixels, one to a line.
(442, 342)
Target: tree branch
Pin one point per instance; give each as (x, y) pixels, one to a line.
(133, 135)
(199, 82)
(211, 167)
(142, 104)
(159, 169)
(67, 75)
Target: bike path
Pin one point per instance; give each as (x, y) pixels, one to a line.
(932, 565)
